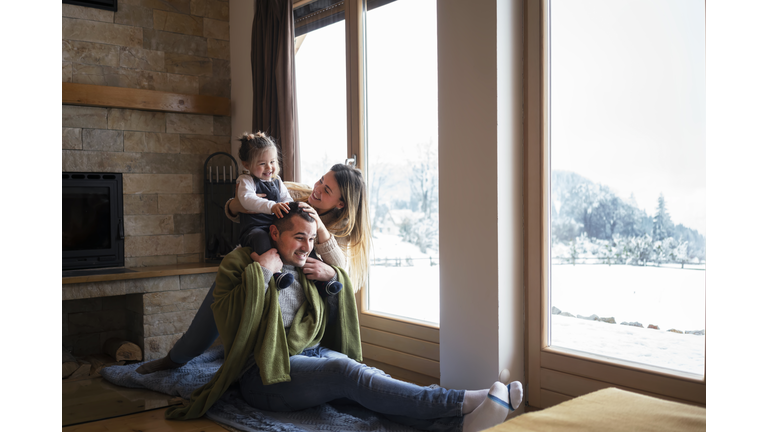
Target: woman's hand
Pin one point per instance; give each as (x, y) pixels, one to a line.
(322, 232)
(315, 269)
(270, 260)
(279, 208)
(235, 207)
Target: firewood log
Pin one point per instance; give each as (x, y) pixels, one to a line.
(122, 349)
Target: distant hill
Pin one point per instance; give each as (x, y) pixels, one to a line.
(580, 206)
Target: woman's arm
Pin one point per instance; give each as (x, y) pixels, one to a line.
(230, 212)
(284, 196)
(233, 208)
(332, 252)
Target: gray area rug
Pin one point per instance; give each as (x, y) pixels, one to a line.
(233, 411)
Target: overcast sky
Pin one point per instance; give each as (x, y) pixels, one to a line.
(627, 95)
(401, 92)
(628, 99)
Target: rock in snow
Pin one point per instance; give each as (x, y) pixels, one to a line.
(633, 324)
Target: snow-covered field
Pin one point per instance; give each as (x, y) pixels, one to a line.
(411, 290)
(665, 296)
(683, 352)
(670, 298)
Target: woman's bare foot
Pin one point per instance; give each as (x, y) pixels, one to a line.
(158, 365)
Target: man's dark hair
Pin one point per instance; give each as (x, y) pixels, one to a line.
(286, 222)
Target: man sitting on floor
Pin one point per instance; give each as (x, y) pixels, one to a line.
(288, 355)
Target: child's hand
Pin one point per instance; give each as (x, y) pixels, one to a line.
(279, 208)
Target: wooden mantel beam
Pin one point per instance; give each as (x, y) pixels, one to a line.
(151, 100)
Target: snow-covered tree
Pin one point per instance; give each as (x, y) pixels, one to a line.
(680, 254)
(640, 250)
(379, 179)
(423, 179)
(662, 223)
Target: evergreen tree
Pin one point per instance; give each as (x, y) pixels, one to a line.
(662, 223)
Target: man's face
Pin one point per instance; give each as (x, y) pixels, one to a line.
(295, 244)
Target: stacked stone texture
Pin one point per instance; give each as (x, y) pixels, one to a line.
(179, 46)
(152, 312)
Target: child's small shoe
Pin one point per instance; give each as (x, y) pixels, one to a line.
(328, 288)
(283, 280)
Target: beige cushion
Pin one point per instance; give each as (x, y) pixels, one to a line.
(611, 410)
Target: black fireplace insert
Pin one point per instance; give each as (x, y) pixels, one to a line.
(92, 220)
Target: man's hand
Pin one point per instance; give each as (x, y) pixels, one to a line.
(269, 260)
(317, 270)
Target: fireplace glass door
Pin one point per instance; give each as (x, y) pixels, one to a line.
(91, 214)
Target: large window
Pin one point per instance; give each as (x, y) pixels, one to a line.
(622, 171)
(367, 92)
(401, 148)
(321, 87)
(627, 210)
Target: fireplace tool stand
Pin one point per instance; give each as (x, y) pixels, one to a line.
(221, 234)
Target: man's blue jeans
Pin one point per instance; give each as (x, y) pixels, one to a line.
(321, 375)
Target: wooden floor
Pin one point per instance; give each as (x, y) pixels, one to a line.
(94, 404)
(149, 421)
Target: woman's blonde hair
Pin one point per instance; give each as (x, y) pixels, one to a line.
(351, 221)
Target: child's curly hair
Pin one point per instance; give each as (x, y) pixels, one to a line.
(253, 144)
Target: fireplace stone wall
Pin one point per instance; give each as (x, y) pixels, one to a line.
(179, 46)
(150, 312)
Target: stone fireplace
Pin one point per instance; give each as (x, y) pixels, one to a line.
(177, 49)
(152, 312)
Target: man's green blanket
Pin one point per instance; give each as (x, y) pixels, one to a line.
(250, 322)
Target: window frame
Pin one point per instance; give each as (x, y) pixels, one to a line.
(406, 349)
(555, 375)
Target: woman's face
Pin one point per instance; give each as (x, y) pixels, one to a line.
(326, 194)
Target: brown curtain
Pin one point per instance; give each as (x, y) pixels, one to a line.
(274, 81)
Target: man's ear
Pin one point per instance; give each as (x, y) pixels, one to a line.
(274, 233)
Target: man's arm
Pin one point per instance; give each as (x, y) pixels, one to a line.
(269, 261)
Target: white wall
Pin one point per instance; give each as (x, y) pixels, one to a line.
(480, 157)
(240, 22)
(510, 55)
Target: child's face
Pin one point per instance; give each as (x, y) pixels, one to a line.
(263, 166)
